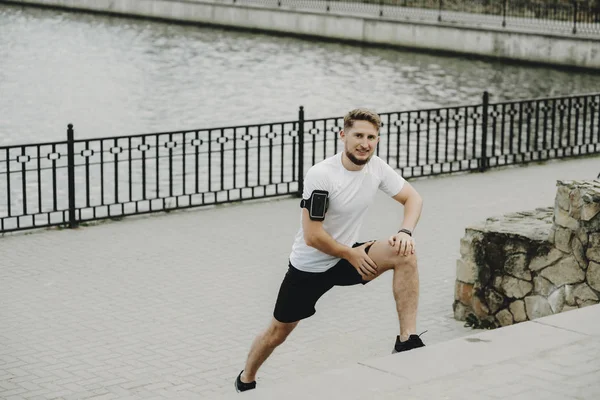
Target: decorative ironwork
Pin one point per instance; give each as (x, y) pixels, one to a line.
(114, 177)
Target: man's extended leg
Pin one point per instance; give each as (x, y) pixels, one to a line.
(263, 346)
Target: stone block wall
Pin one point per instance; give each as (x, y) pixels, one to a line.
(531, 264)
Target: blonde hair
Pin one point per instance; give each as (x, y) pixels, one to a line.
(361, 114)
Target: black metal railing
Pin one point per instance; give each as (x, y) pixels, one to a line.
(78, 180)
(574, 16)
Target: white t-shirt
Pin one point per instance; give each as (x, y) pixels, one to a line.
(350, 195)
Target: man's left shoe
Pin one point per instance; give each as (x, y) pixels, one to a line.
(243, 386)
(413, 342)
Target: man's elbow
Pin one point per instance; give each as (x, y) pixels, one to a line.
(309, 239)
(418, 199)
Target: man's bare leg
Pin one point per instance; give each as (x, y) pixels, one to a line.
(406, 293)
(263, 346)
(405, 283)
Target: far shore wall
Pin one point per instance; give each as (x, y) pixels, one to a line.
(499, 44)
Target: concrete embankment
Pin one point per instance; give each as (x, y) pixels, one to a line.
(544, 48)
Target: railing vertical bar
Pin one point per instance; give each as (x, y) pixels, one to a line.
(427, 148)
(576, 127)
(398, 125)
(584, 134)
(528, 147)
(197, 163)
(270, 155)
(511, 132)
(314, 142)
(466, 133)
(503, 133)
(235, 158)
(87, 175)
(24, 181)
(171, 145)
(300, 150)
(246, 135)
(561, 127)
(569, 118)
(258, 174)
(157, 166)
(553, 128)
(281, 179)
(520, 131)
(418, 140)
(388, 137)
(475, 125)
(447, 137)
(116, 163)
(101, 172)
(54, 198)
(484, 130)
(209, 160)
(408, 140)
(39, 178)
(325, 138)
(598, 122)
(437, 137)
(545, 130)
(494, 132)
(294, 153)
(183, 164)
(129, 168)
(222, 159)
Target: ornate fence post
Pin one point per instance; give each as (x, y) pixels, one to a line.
(300, 151)
(71, 174)
(484, 128)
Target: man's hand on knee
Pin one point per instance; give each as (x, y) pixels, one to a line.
(402, 243)
(361, 261)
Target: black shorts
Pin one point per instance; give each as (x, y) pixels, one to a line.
(300, 291)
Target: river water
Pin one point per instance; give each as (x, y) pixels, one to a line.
(118, 76)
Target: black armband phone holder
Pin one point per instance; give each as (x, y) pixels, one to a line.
(316, 204)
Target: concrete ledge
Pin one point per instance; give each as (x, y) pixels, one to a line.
(540, 48)
(487, 354)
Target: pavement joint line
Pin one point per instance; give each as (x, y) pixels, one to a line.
(562, 328)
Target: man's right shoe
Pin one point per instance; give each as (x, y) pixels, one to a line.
(243, 386)
(413, 342)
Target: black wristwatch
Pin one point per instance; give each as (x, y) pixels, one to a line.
(409, 233)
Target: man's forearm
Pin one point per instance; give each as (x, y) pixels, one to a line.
(323, 241)
(412, 213)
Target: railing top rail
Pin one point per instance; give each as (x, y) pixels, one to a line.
(16, 146)
(218, 128)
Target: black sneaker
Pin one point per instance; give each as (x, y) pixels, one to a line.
(413, 342)
(242, 386)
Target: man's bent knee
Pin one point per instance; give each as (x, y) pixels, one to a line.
(405, 261)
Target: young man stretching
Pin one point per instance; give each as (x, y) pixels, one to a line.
(337, 193)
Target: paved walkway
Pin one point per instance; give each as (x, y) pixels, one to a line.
(166, 306)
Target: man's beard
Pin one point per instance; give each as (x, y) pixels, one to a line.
(356, 161)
